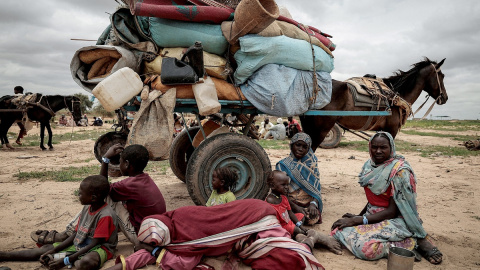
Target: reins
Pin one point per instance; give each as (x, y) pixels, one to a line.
(428, 96)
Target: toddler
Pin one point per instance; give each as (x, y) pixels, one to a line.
(224, 181)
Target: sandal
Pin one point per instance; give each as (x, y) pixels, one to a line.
(43, 237)
(429, 253)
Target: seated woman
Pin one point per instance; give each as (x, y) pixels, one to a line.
(246, 228)
(301, 167)
(390, 216)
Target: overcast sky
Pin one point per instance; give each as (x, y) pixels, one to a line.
(371, 36)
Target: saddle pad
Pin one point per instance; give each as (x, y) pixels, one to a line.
(360, 99)
(370, 86)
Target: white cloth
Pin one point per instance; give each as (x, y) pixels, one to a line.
(264, 128)
(278, 132)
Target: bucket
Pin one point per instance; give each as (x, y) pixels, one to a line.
(400, 259)
(117, 89)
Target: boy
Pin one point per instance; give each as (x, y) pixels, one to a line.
(139, 193)
(94, 239)
(18, 91)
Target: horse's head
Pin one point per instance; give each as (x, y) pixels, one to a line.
(434, 83)
(73, 105)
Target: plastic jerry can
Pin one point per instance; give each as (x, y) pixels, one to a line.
(118, 88)
(206, 97)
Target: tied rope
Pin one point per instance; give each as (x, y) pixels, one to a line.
(428, 96)
(314, 81)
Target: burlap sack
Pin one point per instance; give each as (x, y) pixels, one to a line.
(214, 64)
(153, 124)
(91, 56)
(225, 90)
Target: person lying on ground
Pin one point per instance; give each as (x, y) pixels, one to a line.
(94, 239)
(132, 198)
(224, 181)
(301, 167)
(246, 228)
(390, 216)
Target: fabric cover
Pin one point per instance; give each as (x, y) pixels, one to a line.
(80, 70)
(289, 93)
(153, 124)
(169, 33)
(256, 51)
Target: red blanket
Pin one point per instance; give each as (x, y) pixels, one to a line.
(180, 10)
(323, 37)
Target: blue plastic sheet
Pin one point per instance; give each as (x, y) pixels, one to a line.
(283, 91)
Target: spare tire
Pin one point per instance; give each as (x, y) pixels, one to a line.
(333, 138)
(180, 152)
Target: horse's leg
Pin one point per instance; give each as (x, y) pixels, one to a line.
(317, 127)
(4, 127)
(49, 129)
(42, 135)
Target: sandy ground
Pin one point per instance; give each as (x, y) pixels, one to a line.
(448, 198)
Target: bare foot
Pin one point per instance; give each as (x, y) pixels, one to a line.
(301, 238)
(325, 240)
(429, 251)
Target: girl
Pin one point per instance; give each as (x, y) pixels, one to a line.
(224, 182)
(279, 183)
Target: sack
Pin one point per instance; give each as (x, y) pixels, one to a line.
(175, 71)
(153, 124)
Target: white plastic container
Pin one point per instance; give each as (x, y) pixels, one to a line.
(117, 89)
(206, 97)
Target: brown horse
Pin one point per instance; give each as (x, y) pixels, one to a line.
(41, 114)
(425, 75)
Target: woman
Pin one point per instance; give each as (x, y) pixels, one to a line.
(301, 167)
(390, 216)
(247, 229)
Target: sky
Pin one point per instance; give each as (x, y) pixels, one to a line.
(372, 36)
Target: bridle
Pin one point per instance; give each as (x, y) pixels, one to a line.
(73, 102)
(442, 94)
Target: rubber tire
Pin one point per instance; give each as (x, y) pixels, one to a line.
(180, 152)
(239, 152)
(333, 138)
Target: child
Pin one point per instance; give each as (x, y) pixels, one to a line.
(224, 181)
(95, 236)
(279, 183)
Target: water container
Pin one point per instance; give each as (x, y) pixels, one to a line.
(117, 89)
(194, 57)
(400, 259)
(206, 97)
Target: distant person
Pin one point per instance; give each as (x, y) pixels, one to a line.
(277, 132)
(94, 239)
(63, 120)
(265, 127)
(293, 127)
(18, 91)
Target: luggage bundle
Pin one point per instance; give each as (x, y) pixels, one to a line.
(209, 50)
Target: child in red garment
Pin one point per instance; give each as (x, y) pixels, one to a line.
(279, 183)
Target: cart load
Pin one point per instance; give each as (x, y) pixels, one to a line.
(242, 57)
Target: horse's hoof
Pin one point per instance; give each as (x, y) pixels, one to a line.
(51, 149)
(44, 149)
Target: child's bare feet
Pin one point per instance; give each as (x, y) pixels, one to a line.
(301, 238)
(325, 240)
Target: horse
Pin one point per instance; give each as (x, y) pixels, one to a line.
(42, 110)
(425, 75)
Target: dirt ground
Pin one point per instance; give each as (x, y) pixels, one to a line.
(448, 198)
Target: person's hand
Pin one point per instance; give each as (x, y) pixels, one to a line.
(312, 211)
(44, 259)
(114, 150)
(303, 228)
(348, 215)
(343, 223)
(56, 264)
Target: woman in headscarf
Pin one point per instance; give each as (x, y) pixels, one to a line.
(301, 167)
(390, 216)
(245, 229)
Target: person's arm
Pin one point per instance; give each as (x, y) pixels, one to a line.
(347, 215)
(390, 212)
(68, 242)
(114, 150)
(312, 208)
(72, 258)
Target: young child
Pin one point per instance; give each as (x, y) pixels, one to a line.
(279, 183)
(95, 236)
(224, 182)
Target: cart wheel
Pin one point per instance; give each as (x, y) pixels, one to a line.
(102, 145)
(180, 152)
(238, 152)
(333, 138)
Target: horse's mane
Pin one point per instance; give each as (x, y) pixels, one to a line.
(402, 80)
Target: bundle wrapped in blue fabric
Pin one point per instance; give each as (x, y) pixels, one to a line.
(256, 51)
(283, 91)
(169, 33)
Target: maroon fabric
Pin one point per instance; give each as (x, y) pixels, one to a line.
(181, 11)
(142, 197)
(311, 31)
(195, 222)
